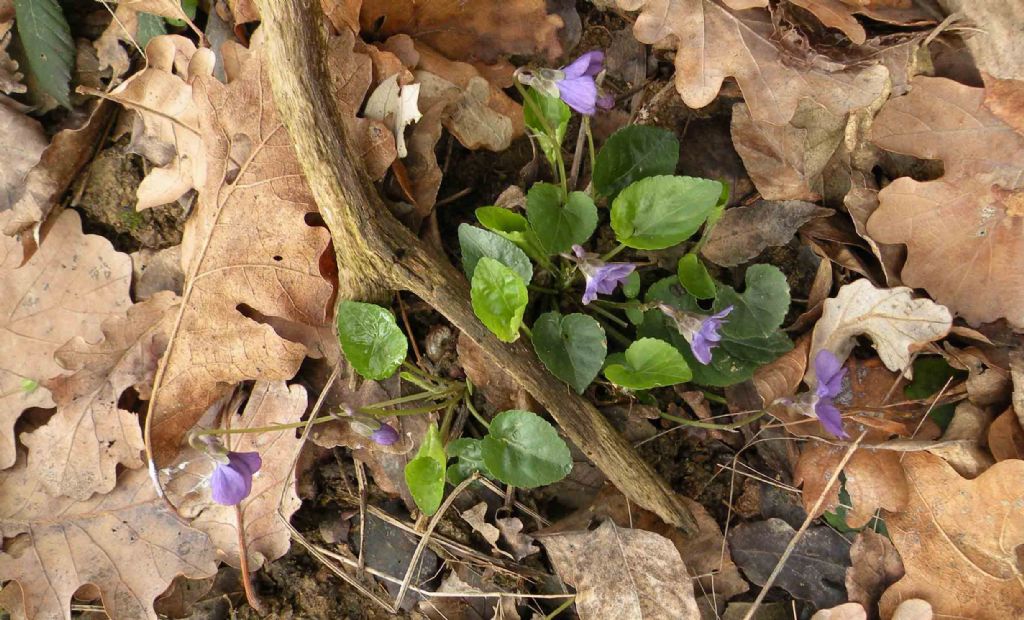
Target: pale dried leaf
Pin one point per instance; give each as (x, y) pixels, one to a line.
(782, 377)
(962, 231)
(397, 104)
(874, 479)
(156, 270)
(713, 42)
(623, 573)
(846, 611)
(124, 26)
(511, 529)
(1006, 437)
(957, 539)
(875, 566)
(896, 323)
(22, 142)
(995, 41)
(743, 232)
(76, 452)
(476, 517)
(836, 14)
(10, 78)
(69, 287)
(126, 543)
(913, 609)
(343, 14)
(267, 536)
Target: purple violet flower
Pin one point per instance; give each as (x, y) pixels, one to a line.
(602, 277)
(385, 435)
(699, 330)
(575, 83)
(381, 433)
(231, 482)
(830, 372)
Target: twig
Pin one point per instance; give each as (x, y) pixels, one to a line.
(803, 528)
(361, 479)
(415, 560)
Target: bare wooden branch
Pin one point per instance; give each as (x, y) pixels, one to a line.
(376, 253)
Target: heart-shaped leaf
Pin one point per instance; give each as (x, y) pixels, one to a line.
(760, 309)
(371, 339)
(633, 153)
(659, 212)
(694, 277)
(424, 475)
(477, 243)
(648, 363)
(572, 347)
(499, 298)
(560, 227)
(523, 450)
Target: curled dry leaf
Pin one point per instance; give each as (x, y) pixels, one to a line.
(70, 286)
(127, 544)
(623, 573)
(964, 232)
(958, 540)
(897, 324)
(836, 14)
(267, 535)
(782, 377)
(874, 479)
(476, 517)
(78, 449)
(743, 232)
(714, 42)
(875, 566)
(521, 544)
(846, 611)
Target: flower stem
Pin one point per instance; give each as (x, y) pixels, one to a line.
(565, 605)
(721, 427)
(614, 252)
(608, 315)
(552, 135)
(590, 145)
(475, 413)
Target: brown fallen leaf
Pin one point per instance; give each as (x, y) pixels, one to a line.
(511, 529)
(1006, 437)
(874, 479)
(714, 42)
(962, 231)
(468, 30)
(782, 376)
(267, 537)
(500, 390)
(22, 141)
(127, 544)
(623, 573)
(123, 27)
(247, 243)
(75, 454)
(476, 517)
(69, 287)
(957, 539)
(897, 324)
(995, 46)
(835, 14)
(846, 611)
(743, 232)
(875, 566)
(913, 609)
(10, 78)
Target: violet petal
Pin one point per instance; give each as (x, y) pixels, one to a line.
(588, 64)
(830, 418)
(580, 94)
(228, 486)
(385, 435)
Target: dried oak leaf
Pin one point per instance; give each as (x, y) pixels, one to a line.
(1006, 437)
(623, 573)
(76, 452)
(268, 537)
(743, 232)
(959, 539)
(10, 78)
(846, 611)
(247, 250)
(126, 543)
(897, 324)
(22, 142)
(714, 42)
(836, 14)
(68, 288)
(874, 479)
(964, 232)
(469, 30)
(875, 566)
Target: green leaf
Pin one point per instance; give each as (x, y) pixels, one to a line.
(558, 227)
(758, 350)
(49, 49)
(760, 309)
(523, 450)
(425, 474)
(149, 26)
(477, 243)
(514, 227)
(633, 153)
(930, 375)
(371, 339)
(694, 277)
(499, 298)
(631, 287)
(557, 114)
(471, 459)
(189, 7)
(649, 363)
(29, 385)
(659, 212)
(572, 347)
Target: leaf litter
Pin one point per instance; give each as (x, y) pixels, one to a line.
(833, 108)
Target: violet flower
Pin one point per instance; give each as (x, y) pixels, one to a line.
(575, 83)
(381, 433)
(602, 277)
(385, 435)
(830, 372)
(231, 481)
(699, 330)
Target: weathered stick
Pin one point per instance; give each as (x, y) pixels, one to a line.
(376, 253)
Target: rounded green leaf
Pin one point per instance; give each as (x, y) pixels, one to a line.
(633, 153)
(572, 347)
(523, 450)
(469, 453)
(477, 243)
(499, 298)
(514, 227)
(631, 287)
(648, 363)
(425, 479)
(560, 227)
(371, 339)
(694, 277)
(659, 212)
(760, 309)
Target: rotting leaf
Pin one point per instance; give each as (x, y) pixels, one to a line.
(875, 565)
(68, 288)
(958, 540)
(743, 232)
(476, 517)
(623, 573)
(511, 530)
